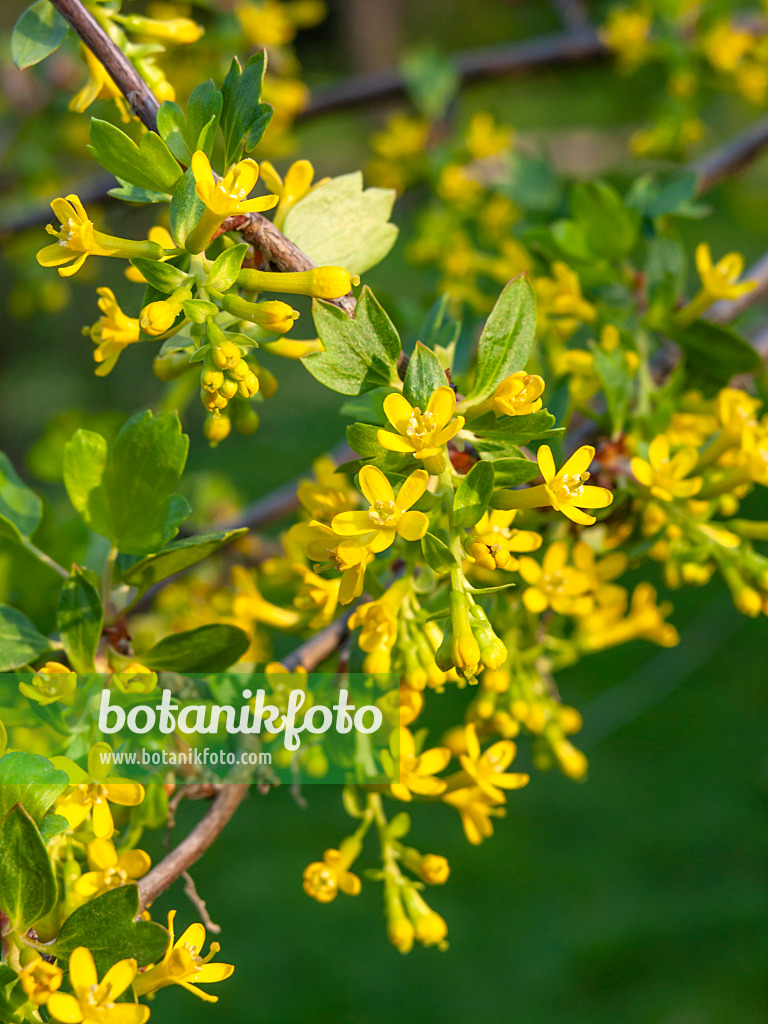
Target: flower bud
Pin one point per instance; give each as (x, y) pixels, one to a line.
(240, 371)
(248, 387)
(211, 380)
(228, 389)
(135, 678)
(246, 419)
(217, 428)
(171, 365)
(226, 354)
(158, 317)
(213, 401)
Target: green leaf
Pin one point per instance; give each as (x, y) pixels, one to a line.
(20, 508)
(20, 641)
(186, 208)
(362, 438)
(31, 781)
(79, 620)
(28, 888)
(131, 194)
(516, 429)
(473, 495)
(125, 493)
(610, 226)
(423, 376)
(226, 267)
(714, 353)
(184, 135)
(198, 311)
(162, 276)
(533, 183)
(509, 472)
(437, 554)
(150, 165)
(440, 331)
(507, 339)
(211, 648)
(38, 33)
(176, 557)
(244, 117)
(106, 926)
(341, 225)
(52, 825)
(360, 354)
(431, 80)
(618, 386)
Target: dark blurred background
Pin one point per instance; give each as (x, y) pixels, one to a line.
(640, 895)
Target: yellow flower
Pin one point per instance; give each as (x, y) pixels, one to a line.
(275, 316)
(416, 773)
(40, 980)
(224, 197)
(455, 185)
(94, 790)
(518, 394)
(184, 964)
(317, 595)
(494, 542)
(135, 678)
(54, 682)
(181, 31)
(600, 573)
(403, 137)
(94, 1001)
(487, 768)
(421, 434)
(476, 808)
(555, 584)
(388, 516)
(608, 626)
(324, 879)
(78, 239)
(249, 605)
(320, 282)
(349, 558)
(720, 280)
(429, 928)
(99, 86)
(485, 138)
(379, 622)
(108, 871)
(724, 45)
(627, 32)
(113, 332)
(290, 190)
(560, 296)
(271, 23)
(329, 493)
(665, 475)
(565, 490)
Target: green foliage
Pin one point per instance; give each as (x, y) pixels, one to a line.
(162, 276)
(30, 781)
(38, 33)
(79, 619)
(516, 429)
(20, 641)
(340, 224)
(473, 495)
(432, 81)
(20, 508)
(423, 376)
(360, 354)
(609, 227)
(244, 117)
(437, 554)
(186, 208)
(514, 470)
(176, 557)
(714, 353)
(106, 926)
(507, 339)
(123, 492)
(618, 387)
(226, 267)
(211, 648)
(28, 888)
(184, 135)
(150, 165)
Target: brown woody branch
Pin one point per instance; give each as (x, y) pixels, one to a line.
(278, 251)
(193, 846)
(732, 157)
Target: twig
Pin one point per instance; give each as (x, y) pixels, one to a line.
(732, 157)
(547, 51)
(314, 651)
(193, 846)
(277, 250)
(197, 901)
(140, 97)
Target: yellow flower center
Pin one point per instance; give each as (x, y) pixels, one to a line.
(420, 426)
(324, 882)
(567, 487)
(382, 513)
(115, 877)
(98, 997)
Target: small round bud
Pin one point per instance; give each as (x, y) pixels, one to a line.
(217, 428)
(158, 317)
(240, 371)
(228, 389)
(211, 380)
(248, 387)
(226, 355)
(213, 401)
(267, 382)
(171, 365)
(246, 419)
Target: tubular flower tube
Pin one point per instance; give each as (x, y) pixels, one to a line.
(320, 282)
(184, 964)
(78, 239)
(421, 434)
(277, 317)
(174, 30)
(565, 490)
(388, 516)
(225, 197)
(94, 1001)
(666, 475)
(296, 184)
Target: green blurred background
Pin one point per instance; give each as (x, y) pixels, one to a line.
(640, 895)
